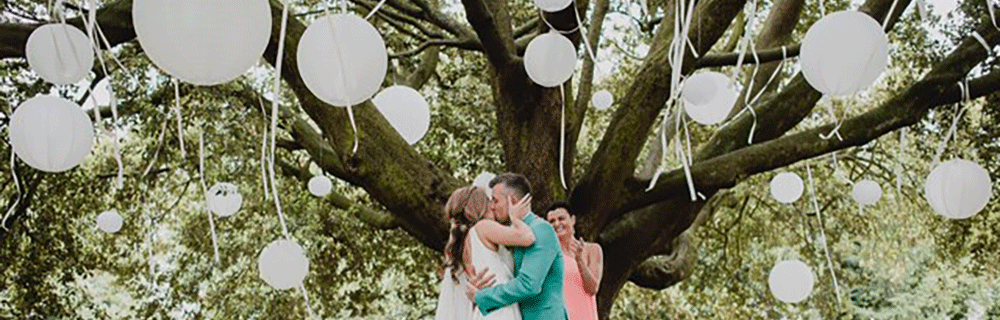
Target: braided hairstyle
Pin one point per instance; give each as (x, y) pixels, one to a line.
(465, 207)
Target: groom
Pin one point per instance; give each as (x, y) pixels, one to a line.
(538, 269)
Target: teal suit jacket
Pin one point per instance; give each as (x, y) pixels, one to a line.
(538, 278)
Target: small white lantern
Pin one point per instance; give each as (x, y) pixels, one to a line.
(283, 264)
(866, 192)
(203, 42)
(791, 281)
(602, 100)
(224, 199)
(552, 5)
(787, 187)
(550, 59)
(342, 59)
(320, 185)
(406, 110)
(844, 52)
(59, 53)
(958, 189)
(50, 134)
(708, 97)
(483, 181)
(109, 221)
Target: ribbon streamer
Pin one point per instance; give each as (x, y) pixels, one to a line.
(274, 115)
(19, 195)
(177, 110)
(204, 189)
(374, 10)
(822, 233)
(959, 111)
(263, 151)
(343, 75)
(885, 22)
(562, 139)
(982, 41)
(993, 17)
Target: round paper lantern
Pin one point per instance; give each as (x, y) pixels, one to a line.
(791, 281)
(866, 192)
(109, 221)
(203, 42)
(550, 59)
(320, 185)
(342, 59)
(786, 187)
(844, 52)
(958, 189)
(59, 53)
(708, 97)
(602, 100)
(552, 5)
(406, 110)
(224, 199)
(50, 134)
(483, 181)
(283, 264)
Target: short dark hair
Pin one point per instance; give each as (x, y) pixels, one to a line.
(559, 204)
(514, 181)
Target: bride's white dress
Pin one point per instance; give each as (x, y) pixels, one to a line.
(501, 264)
(452, 301)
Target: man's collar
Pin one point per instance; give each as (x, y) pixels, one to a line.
(529, 217)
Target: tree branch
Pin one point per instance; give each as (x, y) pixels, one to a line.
(468, 44)
(730, 59)
(587, 74)
(491, 23)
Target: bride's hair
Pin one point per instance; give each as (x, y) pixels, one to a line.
(465, 207)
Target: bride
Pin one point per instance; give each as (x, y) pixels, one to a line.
(476, 242)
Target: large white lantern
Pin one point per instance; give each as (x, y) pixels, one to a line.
(283, 264)
(109, 221)
(552, 5)
(50, 133)
(708, 97)
(786, 187)
(342, 59)
(958, 189)
(203, 42)
(483, 181)
(791, 281)
(224, 199)
(59, 53)
(320, 186)
(602, 100)
(406, 110)
(550, 59)
(844, 52)
(866, 192)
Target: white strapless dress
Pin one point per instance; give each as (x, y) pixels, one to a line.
(501, 264)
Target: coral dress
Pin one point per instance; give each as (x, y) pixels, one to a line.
(579, 304)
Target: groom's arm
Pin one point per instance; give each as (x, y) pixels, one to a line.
(535, 266)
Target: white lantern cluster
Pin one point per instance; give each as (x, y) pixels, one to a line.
(320, 186)
(50, 134)
(787, 187)
(109, 221)
(342, 59)
(602, 100)
(406, 110)
(866, 192)
(283, 264)
(224, 199)
(958, 189)
(203, 42)
(550, 59)
(708, 97)
(844, 52)
(59, 53)
(483, 181)
(791, 281)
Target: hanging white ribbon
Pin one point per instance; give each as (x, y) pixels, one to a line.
(374, 10)
(263, 150)
(274, 118)
(17, 183)
(982, 41)
(343, 75)
(163, 133)
(993, 17)
(822, 233)
(885, 22)
(959, 111)
(562, 139)
(204, 190)
(177, 111)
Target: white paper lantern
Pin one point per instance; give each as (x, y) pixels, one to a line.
(844, 52)
(283, 264)
(59, 53)
(550, 59)
(50, 133)
(342, 59)
(552, 5)
(320, 185)
(866, 192)
(109, 221)
(203, 42)
(787, 187)
(958, 189)
(406, 110)
(708, 97)
(602, 100)
(483, 181)
(791, 281)
(224, 199)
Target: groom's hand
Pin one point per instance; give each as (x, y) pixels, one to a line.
(479, 280)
